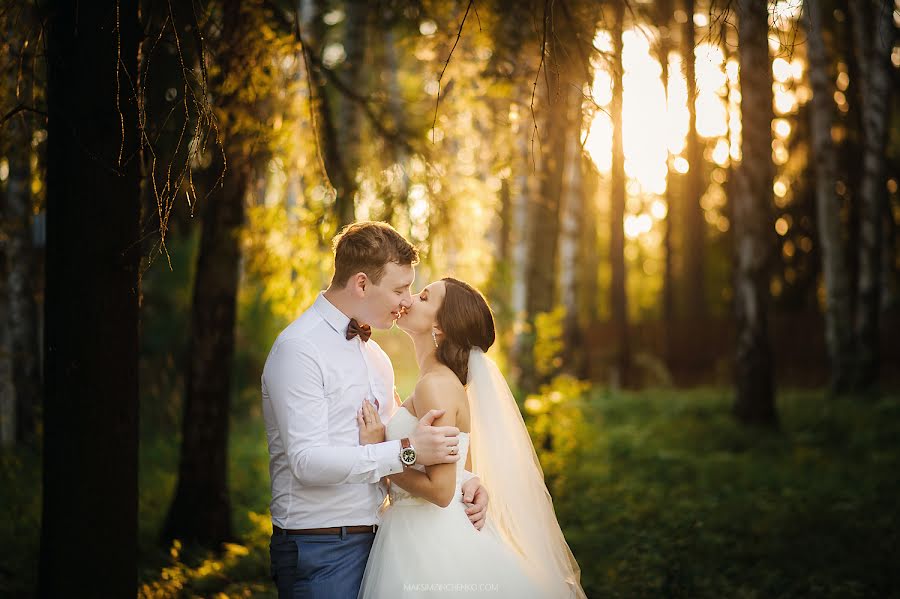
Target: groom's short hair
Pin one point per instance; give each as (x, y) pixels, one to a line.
(368, 246)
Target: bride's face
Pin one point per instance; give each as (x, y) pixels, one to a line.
(421, 316)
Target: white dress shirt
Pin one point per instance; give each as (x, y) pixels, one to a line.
(313, 382)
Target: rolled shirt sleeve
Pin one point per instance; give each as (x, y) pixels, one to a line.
(295, 384)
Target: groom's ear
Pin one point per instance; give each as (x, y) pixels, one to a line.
(359, 282)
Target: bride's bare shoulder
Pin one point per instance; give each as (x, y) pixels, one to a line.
(439, 389)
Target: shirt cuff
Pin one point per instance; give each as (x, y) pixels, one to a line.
(387, 456)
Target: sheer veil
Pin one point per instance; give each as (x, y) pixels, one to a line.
(520, 508)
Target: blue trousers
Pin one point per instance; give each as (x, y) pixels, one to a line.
(319, 566)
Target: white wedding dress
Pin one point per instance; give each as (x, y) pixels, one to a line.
(423, 550)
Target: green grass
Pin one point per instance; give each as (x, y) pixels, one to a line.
(660, 494)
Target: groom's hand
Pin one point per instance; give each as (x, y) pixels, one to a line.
(475, 497)
(435, 444)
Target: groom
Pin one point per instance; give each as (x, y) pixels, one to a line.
(322, 367)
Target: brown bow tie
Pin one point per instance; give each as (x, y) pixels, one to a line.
(354, 328)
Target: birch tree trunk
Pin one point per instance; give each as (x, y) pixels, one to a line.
(523, 193)
(838, 323)
(874, 33)
(754, 379)
(572, 222)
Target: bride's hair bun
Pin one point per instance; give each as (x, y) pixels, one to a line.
(466, 321)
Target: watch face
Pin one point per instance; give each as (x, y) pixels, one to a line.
(408, 456)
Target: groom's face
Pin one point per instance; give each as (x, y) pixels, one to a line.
(384, 301)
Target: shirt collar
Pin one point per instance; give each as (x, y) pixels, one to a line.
(334, 317)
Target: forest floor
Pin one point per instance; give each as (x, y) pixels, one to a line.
(660, 494)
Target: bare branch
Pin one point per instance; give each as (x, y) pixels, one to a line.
(437, 100)
(535, 132)
(20, 108)
(375, 117)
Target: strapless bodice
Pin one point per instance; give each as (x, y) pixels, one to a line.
(402, 424)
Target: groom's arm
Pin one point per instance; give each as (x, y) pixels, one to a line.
(436, 483)
(295, 384)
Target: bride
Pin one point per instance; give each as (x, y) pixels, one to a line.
(426, 545)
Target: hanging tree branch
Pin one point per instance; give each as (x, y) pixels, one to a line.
(437, 100)
(21, 108)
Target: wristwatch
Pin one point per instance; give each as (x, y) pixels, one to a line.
(407, 452)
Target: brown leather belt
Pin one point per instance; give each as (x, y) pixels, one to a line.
(334, 530)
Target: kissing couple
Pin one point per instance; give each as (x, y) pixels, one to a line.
(440, 496)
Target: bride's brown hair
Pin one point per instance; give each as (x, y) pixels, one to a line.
(466, 321)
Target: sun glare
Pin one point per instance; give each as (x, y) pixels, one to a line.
(655, 123)
(652, 126)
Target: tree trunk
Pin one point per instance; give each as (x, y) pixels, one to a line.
(201, 510)
(7, 388)
(838, 324)
(888, 266)
(500, 286)
(619, 300)
(542, 244)
(353, 74)
(588, 290)
(544, 214)
(341, 163)
(668, 296)
(874, 33)
(755, 389)
(23, 310)
(694, 223)
(395, 104)
(523, 194)
(89, 516)
(849, 151)
(571, 224)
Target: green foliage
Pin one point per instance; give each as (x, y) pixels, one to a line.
(558, 407)
(548, 341)
(240, 569)
(665, 496)
(20, 502)
(166, 294)
(284, 262)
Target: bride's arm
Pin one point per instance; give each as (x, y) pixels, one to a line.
(438, 483)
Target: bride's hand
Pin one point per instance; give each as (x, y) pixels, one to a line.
(371, 430)
(475, 497)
